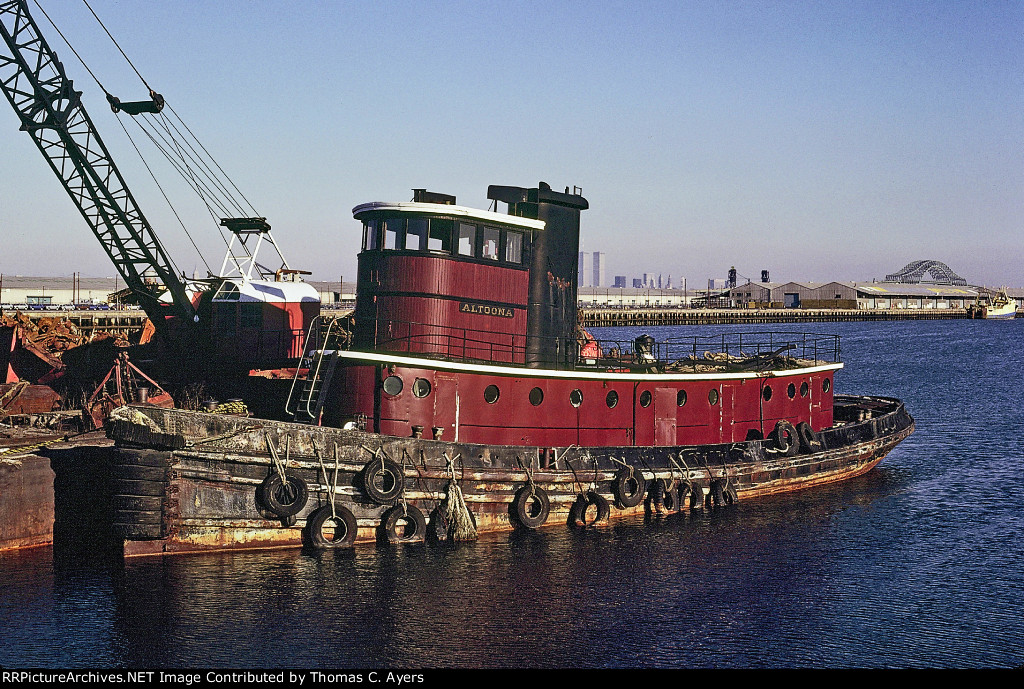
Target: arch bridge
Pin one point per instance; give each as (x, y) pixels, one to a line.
(914, 272)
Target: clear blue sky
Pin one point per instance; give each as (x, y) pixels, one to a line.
(820, 141)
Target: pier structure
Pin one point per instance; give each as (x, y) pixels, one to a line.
(598, 317)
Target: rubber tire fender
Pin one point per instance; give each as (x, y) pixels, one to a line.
(383, 480)
(523, 507)
(414, 518)
(671, 500)
(278, 499)
(785, 438)
(717, 494)
(809, 442)
(345, 531)
(578, 511)
(730, 494)
(621, 487)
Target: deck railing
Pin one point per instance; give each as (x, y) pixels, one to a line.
(736, 350)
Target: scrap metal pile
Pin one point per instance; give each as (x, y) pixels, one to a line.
(36, 360)
(52, 335)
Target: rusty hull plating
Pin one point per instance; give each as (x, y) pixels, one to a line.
(200, 491)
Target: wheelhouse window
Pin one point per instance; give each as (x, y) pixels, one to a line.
(416, 234)
(514, 247)
(492, 236)
(393, 229)
(370, 237)
(441, 230)
(446, 235)
(467, 239)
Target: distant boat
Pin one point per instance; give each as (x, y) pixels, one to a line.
(999, 307)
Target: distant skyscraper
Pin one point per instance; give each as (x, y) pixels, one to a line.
(583, 275)
(637, 282)
(620, 281)
(599, 280)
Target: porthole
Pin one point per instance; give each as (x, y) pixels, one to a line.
(803, 389)
(791, 391)
(491, 394)
(766, 393)
(681, 398)
(421, 387)
(536, 396)
(611, 399)
(645, 398)
(393, 385)
(576, 398)
(713, 397)
(826, 385)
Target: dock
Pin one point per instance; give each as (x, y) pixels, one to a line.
(597, 318)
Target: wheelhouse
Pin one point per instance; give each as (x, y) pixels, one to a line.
(441, 279)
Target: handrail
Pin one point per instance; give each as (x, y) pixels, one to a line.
(312, 341)
(465, 344)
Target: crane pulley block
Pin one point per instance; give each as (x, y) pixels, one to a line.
(152, 106)
(246, 225)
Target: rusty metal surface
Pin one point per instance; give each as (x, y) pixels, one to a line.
(208, 498)
(26, 502)
(24, 398)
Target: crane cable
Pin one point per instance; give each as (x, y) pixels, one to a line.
(169, 140)
(196, 158)
(108, 94)
(168, 125)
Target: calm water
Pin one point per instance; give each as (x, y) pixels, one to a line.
(917, 564)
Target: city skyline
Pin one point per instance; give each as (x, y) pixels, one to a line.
(805, 138)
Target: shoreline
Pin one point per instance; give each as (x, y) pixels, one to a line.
(670, 316)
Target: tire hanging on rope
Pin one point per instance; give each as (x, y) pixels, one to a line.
(670, 494)
(331, 529)
(579, 513)
(404, 524)
(382, 480)
(809, 442)
(629, 487)
(785, 438)
(531, 506)
(284, 498)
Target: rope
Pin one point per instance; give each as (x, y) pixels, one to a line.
(454, 510)
(529, 474)
(334, 483)
(222, 436)
(689, 481)
(277, 460)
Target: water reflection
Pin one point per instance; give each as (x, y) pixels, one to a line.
(916, 563)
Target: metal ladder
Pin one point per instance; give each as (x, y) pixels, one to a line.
(306, 399)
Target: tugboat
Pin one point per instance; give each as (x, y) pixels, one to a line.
(463, 397)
